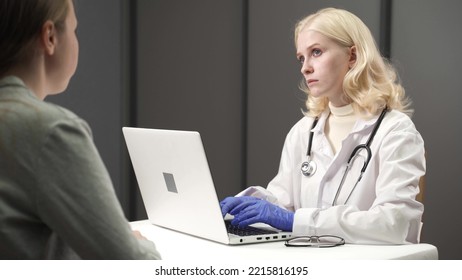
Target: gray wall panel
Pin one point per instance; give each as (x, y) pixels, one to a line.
(426, 42)
(190, 77)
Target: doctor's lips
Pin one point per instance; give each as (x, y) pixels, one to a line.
(310, 82)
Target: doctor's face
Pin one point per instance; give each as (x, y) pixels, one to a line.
(324, 65)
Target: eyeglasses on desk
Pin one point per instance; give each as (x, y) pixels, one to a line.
(321, 241)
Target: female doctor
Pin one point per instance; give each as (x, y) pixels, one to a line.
(351, 166)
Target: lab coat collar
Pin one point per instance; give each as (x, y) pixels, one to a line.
(321, 122)
(360, 125)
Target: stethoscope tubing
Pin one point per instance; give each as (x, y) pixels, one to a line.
(309, 172)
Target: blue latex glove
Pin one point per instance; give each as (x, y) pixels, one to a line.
(229, 203)
(256, 210)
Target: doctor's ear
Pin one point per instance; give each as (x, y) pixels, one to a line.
(48, 37)
(352, 54)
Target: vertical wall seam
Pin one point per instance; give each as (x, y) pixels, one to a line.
(245, 97)
(125, 83)
(385, 28)
(132, 100)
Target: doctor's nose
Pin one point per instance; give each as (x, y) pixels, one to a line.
(306, 68)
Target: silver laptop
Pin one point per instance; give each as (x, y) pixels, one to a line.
(177, 188)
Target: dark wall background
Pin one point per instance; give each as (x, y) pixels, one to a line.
(425, 46)
(227, 69)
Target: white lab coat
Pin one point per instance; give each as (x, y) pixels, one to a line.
(382, 209)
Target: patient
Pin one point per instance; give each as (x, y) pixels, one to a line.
(56, 198)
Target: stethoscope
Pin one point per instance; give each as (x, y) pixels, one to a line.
(309, 166)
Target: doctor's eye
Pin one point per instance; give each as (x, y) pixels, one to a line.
(316, 52)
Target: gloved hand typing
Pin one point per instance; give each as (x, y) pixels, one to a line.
(231, 202)
(248, 210)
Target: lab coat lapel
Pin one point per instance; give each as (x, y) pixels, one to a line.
(335, 169)
(321, 156)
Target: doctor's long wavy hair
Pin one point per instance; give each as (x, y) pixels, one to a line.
(372, 83)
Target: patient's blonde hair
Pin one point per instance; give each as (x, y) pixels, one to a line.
(372, 83)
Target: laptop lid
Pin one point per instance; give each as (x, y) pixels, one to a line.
(175, 181)
(177, 187)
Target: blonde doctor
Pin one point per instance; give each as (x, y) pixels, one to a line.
(351, 166)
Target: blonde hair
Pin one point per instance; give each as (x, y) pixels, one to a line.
(372, 83)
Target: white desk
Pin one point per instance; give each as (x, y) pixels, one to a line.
(177, 246)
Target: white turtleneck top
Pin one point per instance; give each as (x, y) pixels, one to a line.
(340, 122)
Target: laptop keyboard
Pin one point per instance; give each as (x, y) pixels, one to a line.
(246, 231)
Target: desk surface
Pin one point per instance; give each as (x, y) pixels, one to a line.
(178, 246)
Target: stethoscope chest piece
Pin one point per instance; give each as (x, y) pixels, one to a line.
(308, 168)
